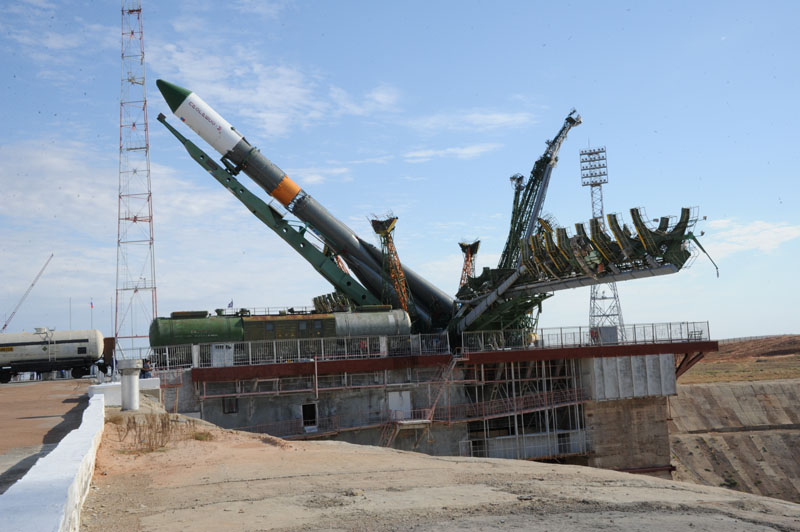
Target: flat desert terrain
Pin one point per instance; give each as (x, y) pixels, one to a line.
(242, 481)
(229, 480)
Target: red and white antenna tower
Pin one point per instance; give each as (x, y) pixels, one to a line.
(136, 270)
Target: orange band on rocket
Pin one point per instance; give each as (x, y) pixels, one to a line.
(285, 191)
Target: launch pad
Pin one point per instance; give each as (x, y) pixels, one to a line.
(470, 375)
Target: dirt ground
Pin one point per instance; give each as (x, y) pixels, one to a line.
(762, 359)
(242, 481)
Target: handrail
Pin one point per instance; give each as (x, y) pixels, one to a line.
(563, 337)
(227, 354)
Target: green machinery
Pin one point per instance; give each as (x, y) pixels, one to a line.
(538, 259)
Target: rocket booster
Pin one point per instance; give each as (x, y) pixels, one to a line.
(235, 149)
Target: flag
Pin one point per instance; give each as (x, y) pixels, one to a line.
(230, 305)
(91, 304)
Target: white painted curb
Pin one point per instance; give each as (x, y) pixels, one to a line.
(50, 496)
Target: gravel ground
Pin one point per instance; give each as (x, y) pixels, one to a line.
(240, 481)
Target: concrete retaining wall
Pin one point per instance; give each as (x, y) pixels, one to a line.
(50, 496)
(629, 434)
(743, 435)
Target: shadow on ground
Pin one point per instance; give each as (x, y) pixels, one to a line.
(27, 456)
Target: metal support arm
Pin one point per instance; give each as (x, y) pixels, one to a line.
(324, 264)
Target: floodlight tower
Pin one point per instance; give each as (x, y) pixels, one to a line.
(136, 271)
(604, 310)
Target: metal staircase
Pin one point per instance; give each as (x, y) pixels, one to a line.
(394, 424)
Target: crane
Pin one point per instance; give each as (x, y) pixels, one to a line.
(28, 291)
(528, 199)
(529, 195)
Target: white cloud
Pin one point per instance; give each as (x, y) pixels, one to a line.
(383, 159)
(720, 224)
(262, 8)
(727, 237)
(380, 99)
(317, 175)
(473, 120)
(58, 184)
(465, 152)
(30, 8)
(62, 48)
(383, 96)
(273, 98)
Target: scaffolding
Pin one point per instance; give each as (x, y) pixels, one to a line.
(527, 410)
(515, 410)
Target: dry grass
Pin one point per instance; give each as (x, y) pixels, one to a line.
(202, 435)
(146, 433)
(749, 360)
(116, 419)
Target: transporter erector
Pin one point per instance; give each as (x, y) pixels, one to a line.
(538, 259)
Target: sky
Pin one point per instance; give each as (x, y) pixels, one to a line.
(422, 109)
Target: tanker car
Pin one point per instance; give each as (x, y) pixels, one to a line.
(198, 327)
(46, 350)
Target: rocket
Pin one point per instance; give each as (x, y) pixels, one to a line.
(364, 259)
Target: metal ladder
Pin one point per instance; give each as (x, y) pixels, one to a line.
(392, 427)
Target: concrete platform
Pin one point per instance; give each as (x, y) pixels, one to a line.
(34, 417)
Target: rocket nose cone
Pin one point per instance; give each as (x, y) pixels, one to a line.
(172, 93)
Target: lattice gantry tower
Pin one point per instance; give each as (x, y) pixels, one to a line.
(136, 273)
(394, 278)
(470, 250)
(604, 309)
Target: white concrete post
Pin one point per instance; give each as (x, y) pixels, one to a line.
(130, 383)
(195, 356)
(384, 346)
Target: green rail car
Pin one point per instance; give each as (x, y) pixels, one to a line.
(198, 327)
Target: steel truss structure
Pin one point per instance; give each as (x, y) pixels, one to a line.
(136, 302)
(604, 310)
